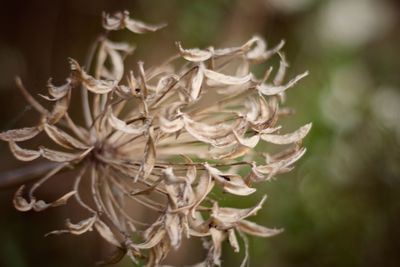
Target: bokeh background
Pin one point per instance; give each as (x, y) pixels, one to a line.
(341, 205)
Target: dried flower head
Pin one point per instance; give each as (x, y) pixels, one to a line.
(164, 140)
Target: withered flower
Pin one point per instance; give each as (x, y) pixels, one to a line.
(164, 140)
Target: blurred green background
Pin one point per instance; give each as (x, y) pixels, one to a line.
(341, 205)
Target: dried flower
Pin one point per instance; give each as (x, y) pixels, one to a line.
(165, 139)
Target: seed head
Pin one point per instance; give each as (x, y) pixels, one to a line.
(164, 138)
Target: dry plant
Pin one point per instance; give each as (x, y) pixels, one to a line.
(164, 140)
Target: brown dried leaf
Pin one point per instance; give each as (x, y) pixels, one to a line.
(18, 135)
(23, 154)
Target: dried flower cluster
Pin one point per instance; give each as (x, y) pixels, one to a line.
(164, 140)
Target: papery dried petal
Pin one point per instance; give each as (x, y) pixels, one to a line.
(106, 233)
(268, 89)
(194, 54)
(231, 183)
(20, 203)
(82, 226)
(151, 241)
(149, 157)
(90, 83)
(40, 205)
(18, 135)
(120, 125)
(58, 156)
(22, 153)
(226, 79)
(233, 240)
(289, 138)
(63, 139)
(252, 228)
(232, 215)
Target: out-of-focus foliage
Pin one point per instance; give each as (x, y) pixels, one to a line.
(340, 207)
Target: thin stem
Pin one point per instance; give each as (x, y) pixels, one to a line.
(84, 93)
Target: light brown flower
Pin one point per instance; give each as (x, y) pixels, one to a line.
(164, 139)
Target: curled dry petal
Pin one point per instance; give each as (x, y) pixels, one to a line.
(252, 228)
(121, 20)
(58, 156)
(247, 142)
(62, 138)
(82, 226)
(59, 109)
(151, 241)
(58, 92)
(171, 126)
(233, 240)
(40, 205)
(289, 138)
(275, 166)
(268, 89)
(22, 153)
(196, 82)
(216, 249)
(194, 54)
(90, 83)
(204, 187)
(120, 125)
(20, 203)
(115, 52)
(231, 183)
(172, 223)
(149, 157)
(106, 233)
(171, 178)
(231, 215)
(18, 135)
(220, 78)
